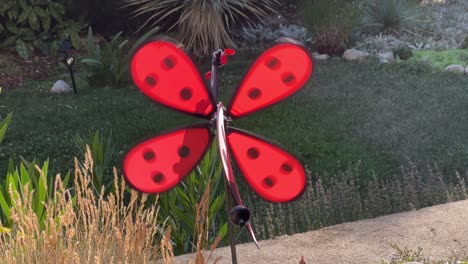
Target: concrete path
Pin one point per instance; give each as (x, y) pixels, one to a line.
(439, 230)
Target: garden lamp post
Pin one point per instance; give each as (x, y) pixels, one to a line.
(68, 60)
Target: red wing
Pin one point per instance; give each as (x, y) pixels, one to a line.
(166, 74)
(277, 73)
(271, 171)
(160, 163)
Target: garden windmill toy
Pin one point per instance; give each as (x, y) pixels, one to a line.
(163, 72)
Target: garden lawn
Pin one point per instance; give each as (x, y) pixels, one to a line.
(380, 116)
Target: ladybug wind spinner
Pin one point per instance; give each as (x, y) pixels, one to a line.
(162, 71)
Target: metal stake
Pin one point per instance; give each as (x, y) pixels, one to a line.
(232, 239)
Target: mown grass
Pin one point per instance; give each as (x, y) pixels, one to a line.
(381, 115)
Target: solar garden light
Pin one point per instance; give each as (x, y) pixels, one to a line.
(68, 60)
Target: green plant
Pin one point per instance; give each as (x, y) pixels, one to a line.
(331, 23)
(4, 126)
(441, 59)
(393, 16)
(81, 226)
(181, 209)
(29, 179)
(30, 24)
(202, 26)
(102, 151)
(107, 63)
(464, 44)
(402, 53)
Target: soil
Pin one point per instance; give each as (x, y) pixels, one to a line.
(16, 72)
(441, 231)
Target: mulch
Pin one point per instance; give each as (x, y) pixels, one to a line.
(37, 68)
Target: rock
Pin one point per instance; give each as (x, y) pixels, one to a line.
(317, 56)
(61, 87)
(352, 54)
(455, 68)
(385, 57)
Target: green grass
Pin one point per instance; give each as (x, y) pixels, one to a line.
(381, 115)
(441, 59)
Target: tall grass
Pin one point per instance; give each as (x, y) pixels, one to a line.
(82, 226)
(343, 199)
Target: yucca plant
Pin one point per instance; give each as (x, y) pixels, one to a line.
(202, 25)
(393, 16)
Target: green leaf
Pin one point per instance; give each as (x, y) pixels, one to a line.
(10, 42)
(91, 61)
(75, 39)
(42, 46)
(13, 14)
(24, 15)
(2, 28)
(5, 207)
(33, 21)
(22, 49)
(55, 14)
(11, 27)
(46, 21)
(40, 12)
(41, 192)
(57, 7)
(23, 4)
(4, 126)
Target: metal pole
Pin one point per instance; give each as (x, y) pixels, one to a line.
(232, 239)
(72, 78)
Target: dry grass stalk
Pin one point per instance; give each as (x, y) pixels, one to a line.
(83, 227)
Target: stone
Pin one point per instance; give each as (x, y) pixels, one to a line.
(353, 54)
(455, 68)
(317, 56)
(61, 87)
(385, 57)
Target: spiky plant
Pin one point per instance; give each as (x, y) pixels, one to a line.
(393, 16)
(201, 25)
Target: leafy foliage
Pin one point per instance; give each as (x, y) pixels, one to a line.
(4, 126)
(331, 22)
(202, 26)
(179, 206)
(102, 151)
(107, 62)
(403, 53)
(29, 179)
(30, 24)
(441, 59)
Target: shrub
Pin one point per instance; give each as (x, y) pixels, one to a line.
(179, 206)
(107, 62)
(402, 53)
(202, 26)
(393, 15)
(331, 22)
(29, 25)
